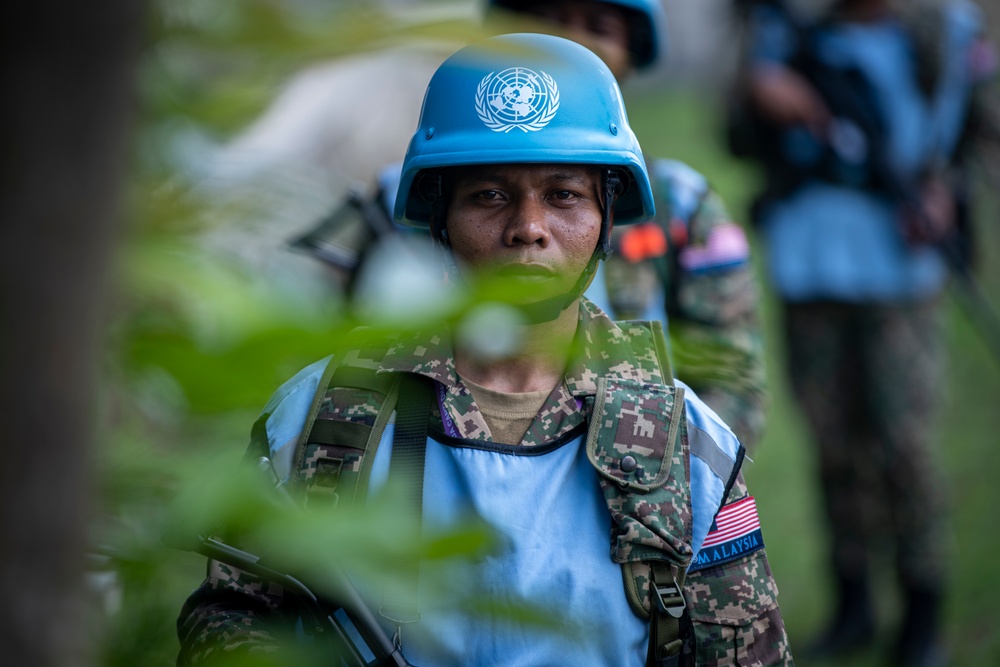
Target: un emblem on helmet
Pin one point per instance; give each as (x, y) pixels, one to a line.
(517, 97)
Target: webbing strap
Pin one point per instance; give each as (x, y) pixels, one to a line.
(362, 378)
(406, 469)
(338, 433)
(666, 646)
(317, 402)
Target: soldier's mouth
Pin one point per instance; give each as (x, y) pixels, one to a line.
(526, 271)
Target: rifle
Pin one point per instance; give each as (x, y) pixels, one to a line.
(355, 209)
(353, 632)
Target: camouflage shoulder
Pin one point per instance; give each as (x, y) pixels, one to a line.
(277, 429)
(232, 614)
(286, 413)
(368, 347)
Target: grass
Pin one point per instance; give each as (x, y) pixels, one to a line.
(685, 126)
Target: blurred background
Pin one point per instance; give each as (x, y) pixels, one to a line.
(158, 159)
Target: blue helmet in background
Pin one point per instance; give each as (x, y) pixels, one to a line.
(523, 98)
(646, 21)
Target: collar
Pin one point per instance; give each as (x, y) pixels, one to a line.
(601, 349)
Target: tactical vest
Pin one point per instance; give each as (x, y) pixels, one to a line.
(636, 441)
(940, 50)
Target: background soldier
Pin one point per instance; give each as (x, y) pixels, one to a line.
(521, 163)
(863, 121)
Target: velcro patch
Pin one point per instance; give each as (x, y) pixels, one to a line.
(734, 534)
(643, 241)
(725, 248)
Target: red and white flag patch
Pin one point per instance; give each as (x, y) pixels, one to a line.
(734, 534)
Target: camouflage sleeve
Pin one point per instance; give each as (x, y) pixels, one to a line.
(715, 332)
(232, 615)
(734, 611)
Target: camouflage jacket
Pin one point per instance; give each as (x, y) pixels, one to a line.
(694, 257)
(733, 604)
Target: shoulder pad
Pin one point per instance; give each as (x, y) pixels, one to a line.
(286, 412)
(680, 186)
(716, 459)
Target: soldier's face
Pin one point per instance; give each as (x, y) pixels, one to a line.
(535, 226)
(601, 27)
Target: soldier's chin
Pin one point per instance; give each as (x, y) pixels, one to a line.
(523, 290)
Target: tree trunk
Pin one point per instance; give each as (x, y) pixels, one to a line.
(67, 76)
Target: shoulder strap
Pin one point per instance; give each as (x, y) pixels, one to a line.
(406, 469)
(662, 355)
(307, 427)
(669, 645)
(332, 455)
(669, 622)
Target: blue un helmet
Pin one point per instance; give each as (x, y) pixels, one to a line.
(646, 25)
(523, 98)
(517, 99)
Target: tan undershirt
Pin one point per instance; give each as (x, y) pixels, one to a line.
(507, 415)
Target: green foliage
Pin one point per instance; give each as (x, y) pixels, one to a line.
(198, 342)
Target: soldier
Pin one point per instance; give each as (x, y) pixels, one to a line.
(522, 162)
(689, 266)
(861, 121)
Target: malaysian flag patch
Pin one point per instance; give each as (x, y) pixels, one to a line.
(725, 248)
(734, 534)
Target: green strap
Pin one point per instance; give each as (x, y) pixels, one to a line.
(338, 433)
(666, 608)
(363, 378)
(406, 469)
(662, 354)
(317, 402)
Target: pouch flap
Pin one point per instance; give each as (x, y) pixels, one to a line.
(634, 429)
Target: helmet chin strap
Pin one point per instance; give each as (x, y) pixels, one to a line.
(549, 309)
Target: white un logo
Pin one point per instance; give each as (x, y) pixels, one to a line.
(517, 97)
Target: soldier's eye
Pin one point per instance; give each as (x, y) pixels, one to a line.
(609, 26)
(564, 194)
(489, 195)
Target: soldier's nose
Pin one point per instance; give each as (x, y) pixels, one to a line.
(527, 226)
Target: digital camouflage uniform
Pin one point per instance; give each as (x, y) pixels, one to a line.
(867, 378)
(698, 258)
(733, 606)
